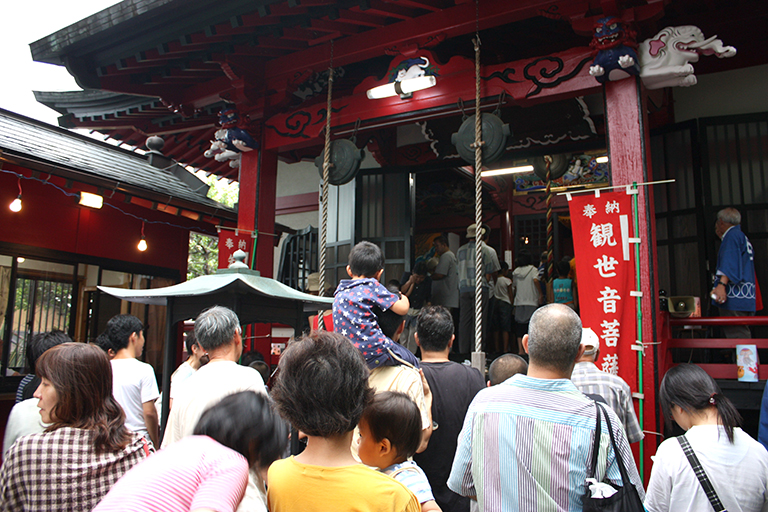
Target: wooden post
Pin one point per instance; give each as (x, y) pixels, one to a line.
(629, 154)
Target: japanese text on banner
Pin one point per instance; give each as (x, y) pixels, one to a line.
(605, 273)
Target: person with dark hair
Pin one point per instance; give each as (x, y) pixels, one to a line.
(466, 273)
(504, 367)
(104, 343)
(734, 290)
(390, 434)
(218, 332)
(37, 345)
(208, 470)
(133, 382)
(452, 386)
(417, 286)
(86, 448)
(735, 464)
(196, 357)
(24, 418)
(322, 388)
(525, 283)
(540, 428)
(445, 277)
(562, 290)
(353, 305)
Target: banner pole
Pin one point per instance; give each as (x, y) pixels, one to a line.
(640, 352)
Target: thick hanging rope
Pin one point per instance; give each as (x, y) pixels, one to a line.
(326, 183)
(326, 173)
(478, 146)
(550, 227)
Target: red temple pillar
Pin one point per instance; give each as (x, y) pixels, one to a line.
(629, 152)
(256, 208)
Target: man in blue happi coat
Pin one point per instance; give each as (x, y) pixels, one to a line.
(734, 287)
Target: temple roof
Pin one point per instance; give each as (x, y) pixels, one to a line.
(43, 147)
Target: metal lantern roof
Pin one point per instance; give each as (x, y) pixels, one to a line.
(255, 299)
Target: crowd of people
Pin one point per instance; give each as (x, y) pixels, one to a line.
(353, 420)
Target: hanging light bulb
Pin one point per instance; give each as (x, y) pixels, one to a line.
(15, 205)
(143, 242)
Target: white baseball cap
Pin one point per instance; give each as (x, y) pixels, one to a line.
(590, 340)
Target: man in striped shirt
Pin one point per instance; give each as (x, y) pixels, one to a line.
(526, 443)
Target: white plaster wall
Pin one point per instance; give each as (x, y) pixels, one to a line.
(740, 91)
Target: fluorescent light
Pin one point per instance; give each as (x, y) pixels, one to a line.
(508, 170)
(405, 88)
(91, 200)
(602, 159)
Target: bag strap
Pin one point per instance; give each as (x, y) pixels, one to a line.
(595, 447)
(625, 481)
(712, 496)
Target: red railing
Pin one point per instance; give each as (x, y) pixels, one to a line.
(718, 371)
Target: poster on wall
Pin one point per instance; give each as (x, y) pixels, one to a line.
(229, 242)
(605, 273)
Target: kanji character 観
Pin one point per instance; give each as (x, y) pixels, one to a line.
(602, 234)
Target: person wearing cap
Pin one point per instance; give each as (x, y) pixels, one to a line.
(590, 380)
(466, 268)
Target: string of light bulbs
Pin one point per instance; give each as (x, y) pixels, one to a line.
(16, 205)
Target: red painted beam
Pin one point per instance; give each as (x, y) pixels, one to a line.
(452, 22)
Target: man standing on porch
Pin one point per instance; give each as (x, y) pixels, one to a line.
(466, 264)
(734, 288)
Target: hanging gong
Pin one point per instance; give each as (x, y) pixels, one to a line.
(495, 134)
(557, 168)
(345, 161)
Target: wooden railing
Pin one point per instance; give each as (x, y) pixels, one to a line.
(719, 371)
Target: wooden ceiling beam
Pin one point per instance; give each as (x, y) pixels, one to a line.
(388, 10)
(365, 19)
(428, 5)
(283, 44)
(334, 26)
(450, 22)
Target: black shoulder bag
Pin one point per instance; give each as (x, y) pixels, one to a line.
(626, 498)
(712, 496)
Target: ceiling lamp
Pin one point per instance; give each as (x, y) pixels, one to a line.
(142, 246)
(509, 170)
(404, 88)
(15, 205)
(90, 200)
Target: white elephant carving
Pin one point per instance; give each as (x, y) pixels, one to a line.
(665, 59)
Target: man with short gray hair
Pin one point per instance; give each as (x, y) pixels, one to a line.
(526, 443)
(218, 332)
(504, 367)
(733, 291)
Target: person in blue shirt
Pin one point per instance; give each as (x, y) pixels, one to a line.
(733, 291)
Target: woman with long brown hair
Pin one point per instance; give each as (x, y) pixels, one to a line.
(74, 463)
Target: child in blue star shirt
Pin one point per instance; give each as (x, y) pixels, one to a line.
(353, 314)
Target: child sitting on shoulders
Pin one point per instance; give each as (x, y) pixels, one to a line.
(354, 317)
(390, 433)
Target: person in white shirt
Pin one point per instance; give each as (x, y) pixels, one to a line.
(197, 358)
(736, 464)
(218, 332)
(503, 311)
(134, 384)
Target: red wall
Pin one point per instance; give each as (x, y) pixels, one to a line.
(51, 220)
